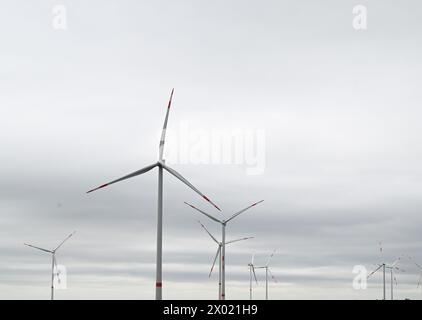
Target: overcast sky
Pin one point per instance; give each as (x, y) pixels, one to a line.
(334, 114)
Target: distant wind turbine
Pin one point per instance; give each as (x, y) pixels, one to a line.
(161, 165)
(420, 274)
(392, 267)
(267, 271)
(223, 224)
(218, 255)
(53, 259)
(251, 272)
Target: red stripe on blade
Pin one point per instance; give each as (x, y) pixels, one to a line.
(171, 98)
(104, 185)
(257, 203)
(158, 284)
(206, 198)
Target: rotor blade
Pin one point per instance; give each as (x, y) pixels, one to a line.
(181, 178)
(46, 250)
(252, 259)
(241, 211)
(131, 175)
(416, 264)
(269, 258)
(237, 240)
(374, 271)
(215, 259)
(254, 274)
(272, 276)
(209, 233)
(204, 213)
(70, 235)
(419, 281)
(396, 261)
(163, 133)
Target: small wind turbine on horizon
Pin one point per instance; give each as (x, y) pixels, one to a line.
(218, 255)
(251, 272)
(223, 224)
(420, 274)
(392, 267)
(268, 271)
(53, 260)
(161, 165)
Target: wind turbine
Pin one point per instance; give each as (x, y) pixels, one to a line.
(267, 271)
(218, 255)
(251, 271)
(420, 280)
(223, 224)
(392, 267)
(53, 260)
(161, 165)
(420, 274)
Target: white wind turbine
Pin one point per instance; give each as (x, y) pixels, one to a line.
(420, 274)
(218, 255)
(223, 224)
(161, 165)
(251, 272)
(267, 271)
(392, 267)
(53, 260)
(420, 279)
